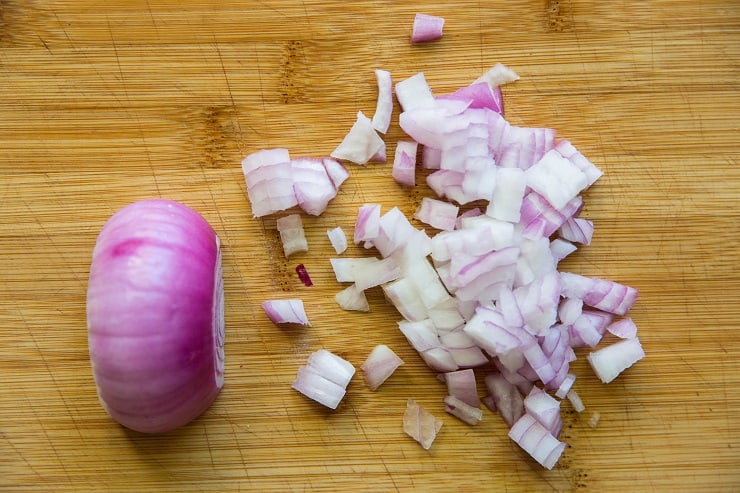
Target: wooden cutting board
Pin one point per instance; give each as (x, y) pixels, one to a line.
(105, 103)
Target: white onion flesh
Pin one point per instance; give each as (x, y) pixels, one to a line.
(384, 106)
(361, 144)
(290, 311)
(420, 425)
(380, 364)
(155, 316)
(338, 239)
(292, 234)
(324, 378)
(608, 362)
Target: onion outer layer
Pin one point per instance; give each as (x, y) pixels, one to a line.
(155, 316)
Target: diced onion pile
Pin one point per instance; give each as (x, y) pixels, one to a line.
(484, 291)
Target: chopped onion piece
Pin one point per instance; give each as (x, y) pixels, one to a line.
(404, 163)
(557, 179)
(345, 268)
(426, 28)
(593, 421)
(288, 311)
(561, 249)
(608, 296)
(292, 234)
(498, 75)
(420, 425)
(534, 438)
(624, 329)
(376, 273)
(338, 239)
(367, 224)
(565, 387)
(461, 385)
(384, 105)
(575, 401)
(437, 214)
(545, 409)
(506, 201)
(577, 230)
(352, 299)
(318, 388)
(331, 367)
(480, 95)
(612, 360)
(462, 410)
(361, 144)
(414, 92)
(506, 396)
(324, 378)
(380, 365)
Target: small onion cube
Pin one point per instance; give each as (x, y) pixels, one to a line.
(402, 293)
(461, 385)
(437, 214)
(508, 193)
(575, 401)
(624, 329)
(338, 239)
(317, 387)
(352, 299)
(561, 248)
(534, 438)
(426, 28)
(556, 179)
(577, 230)
(545, 409)
(292, 234)
(612, 360)
(414, 92)
(462, 410)
(290, 311)
(565, 386)
(420, 425)
(380, 365)
(593, 421)
(361, 144)
(376, 273)
(331, 367)
(506, 396)
(498, 75)
(367, 224)
(404, 163)
(345, 268)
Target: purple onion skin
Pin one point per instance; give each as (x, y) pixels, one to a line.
(155, 316)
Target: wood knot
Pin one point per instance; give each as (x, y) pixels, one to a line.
(559, 17)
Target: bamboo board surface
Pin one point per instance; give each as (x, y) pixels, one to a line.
(105, 103)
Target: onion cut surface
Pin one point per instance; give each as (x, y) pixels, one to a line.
(380, 365)
(290, 311)
(155, 316)
(324, 378)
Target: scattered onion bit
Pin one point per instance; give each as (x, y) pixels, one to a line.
(593, 421)
(462, 410)
(288, 311)
(420, 425)
(324, 378)
(352, 299)
(300, 269)
(384, 106)
(380, 365)
(292, 234)
(426, 28)
(534, 438)
(576, 401)
(338, 239)
(361, 144)
(612, 360)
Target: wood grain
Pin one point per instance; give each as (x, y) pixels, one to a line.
(105, 103)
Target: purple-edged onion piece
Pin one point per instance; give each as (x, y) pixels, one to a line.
(155, 316)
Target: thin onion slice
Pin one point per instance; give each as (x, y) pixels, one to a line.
(384, 106)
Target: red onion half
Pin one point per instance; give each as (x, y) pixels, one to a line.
(155, 316)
